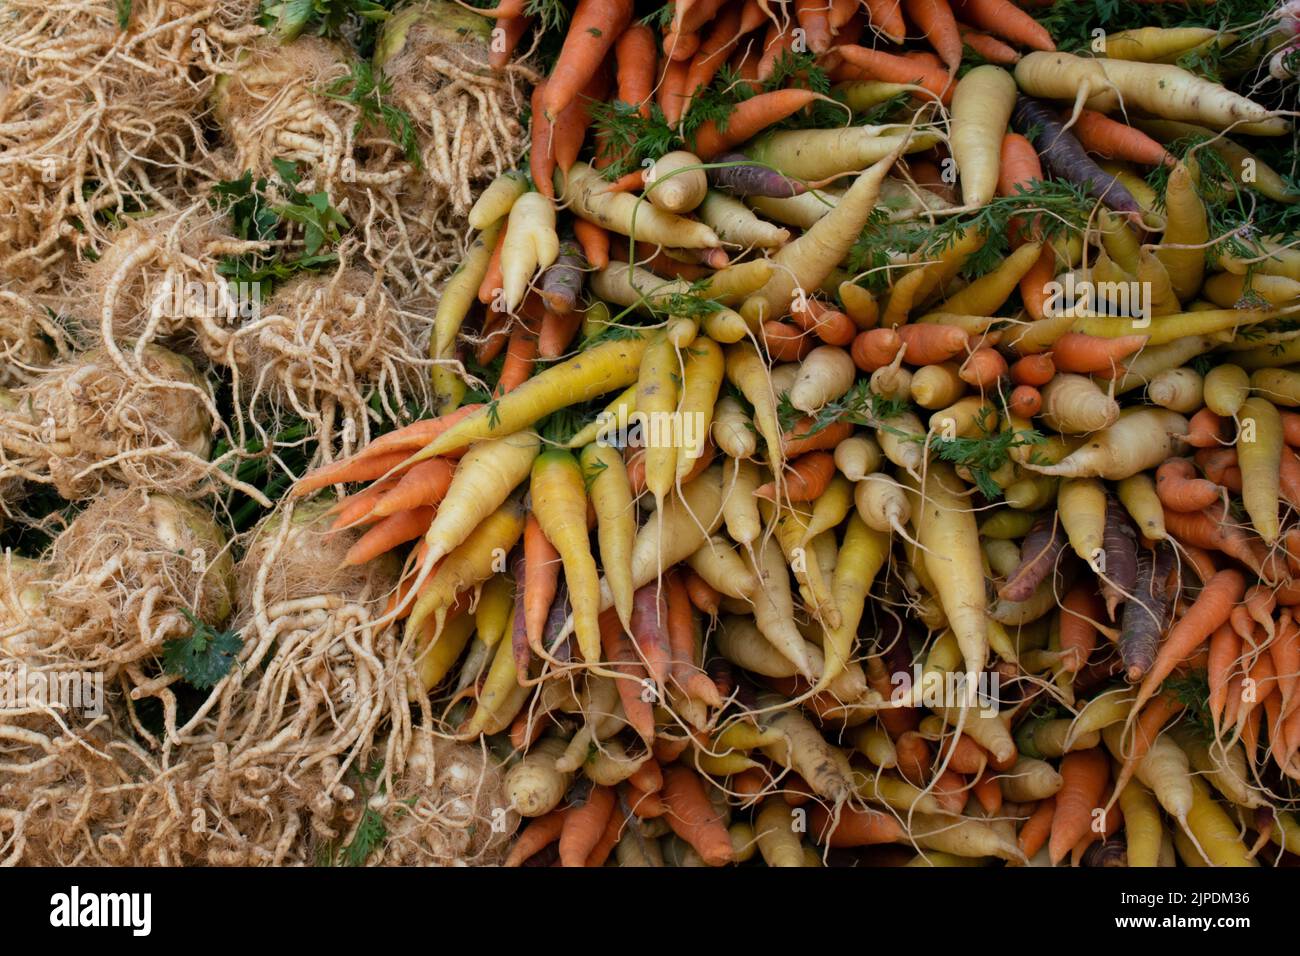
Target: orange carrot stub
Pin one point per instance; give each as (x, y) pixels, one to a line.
(583, 826)
(830, 325)
(991, 48)
(692, 817)
(637, 58)
(1036, 370)
(875, 348)
(1179, 488)
(930, 343)
(806, 478)
(786, 342)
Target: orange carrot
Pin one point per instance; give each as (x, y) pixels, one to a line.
(748, 119)
(964, 755)
(1147, 727)
(797, 441)
(493, 336)
(786, 342)
(988, 792)
(540, 833)
(806, 480)
(854, 827)
(521, 355)
(929, 343)
(608, 840)
(693, 818)
(558, 330)
(1289, 477)
(892, 68)
(1086, 354)
(637, 58)
(389, 533)
(982, 368)
(424, 484)
(1291, 428)
(887, 18)
(650, 632)
(594, 27)
(1225, 648)
(583, 825)
(830, 325)
(1083, 780)
(570, 128)
(624, 659)
(1285, 649)
(1033, 284)
(649, 777)
(541, 165)
(712, 53)
(355, 508)
(1025, 401)
(936, 21)
(1035, 831)
(990, 48)
(702, 594)
(681, 642)
(672, 90)
(913, 754)
(1213, 529)
(504, 10)
(814, 17)
(875, 348)
(778, 42)
(951, 790)
(1115, 140)
(512, 31)
(594, 240)
(1180, 490)
(541, 581)
(842, 13)
(1205, 430)
(1081, 609)
(645, 806)
(1035, 370)
(489, 290)
(1005, 19)
(1211, 608)
(349, 470)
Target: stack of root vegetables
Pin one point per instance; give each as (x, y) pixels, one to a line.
(852, 433)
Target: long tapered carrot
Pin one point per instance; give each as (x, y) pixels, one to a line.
(936, 21)
(608, 840)
(650, 632)
(814, 17)
(693, 818)
(583, 825)
(1146, 728)
(672, 90)
(1035, 831)
(624, 659)
(1003, 18)
(512, 31)
(797, 441)
(541, 164)
(712, 54)
(989, 47)
(748, 119)
(1115, 140)
(681, 640)
(540, 833)
(637, 59)
(594, 240)
(892, 68)
(349, 470)
(1083, 780)
(424, 484)
(1086, 354)
(886, 17)
(416, 435)
(1213, 530)
(1081, 609)
(569, 129)
(848, 827)
(489, 289)
(543, 575)
(521, 356)
(359, 507)
(1225, 648)
(593, 29)
(558, 330)
(389, 533)
(1212, 607)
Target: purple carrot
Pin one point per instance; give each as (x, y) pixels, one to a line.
(523, 654)
(561, 283)
(1120, 547)
(1065, 158)
(650, 631)
(1145, 614)
(1038, 556)
(748, 179)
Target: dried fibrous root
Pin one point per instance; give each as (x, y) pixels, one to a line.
(97, 121)
(448, 808)
(434, 55)
(30, 338)
(157, 281)
(324, 347)
(105, 416)
(118, 583)
(319, 680)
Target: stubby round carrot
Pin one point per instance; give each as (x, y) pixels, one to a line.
(1035, 370)
(1205, 430)
(786, 342)
(648, 778)
(806, 478)
(749, 118)
(645, 805)
(1291, 428)
(830, 325)
(875, 348)
(1025, 401)
(1180, 489)
(983, 367)
(929, 343)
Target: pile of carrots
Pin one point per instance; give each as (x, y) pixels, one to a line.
(920, 470)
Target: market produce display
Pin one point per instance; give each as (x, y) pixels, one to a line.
(728, 432)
